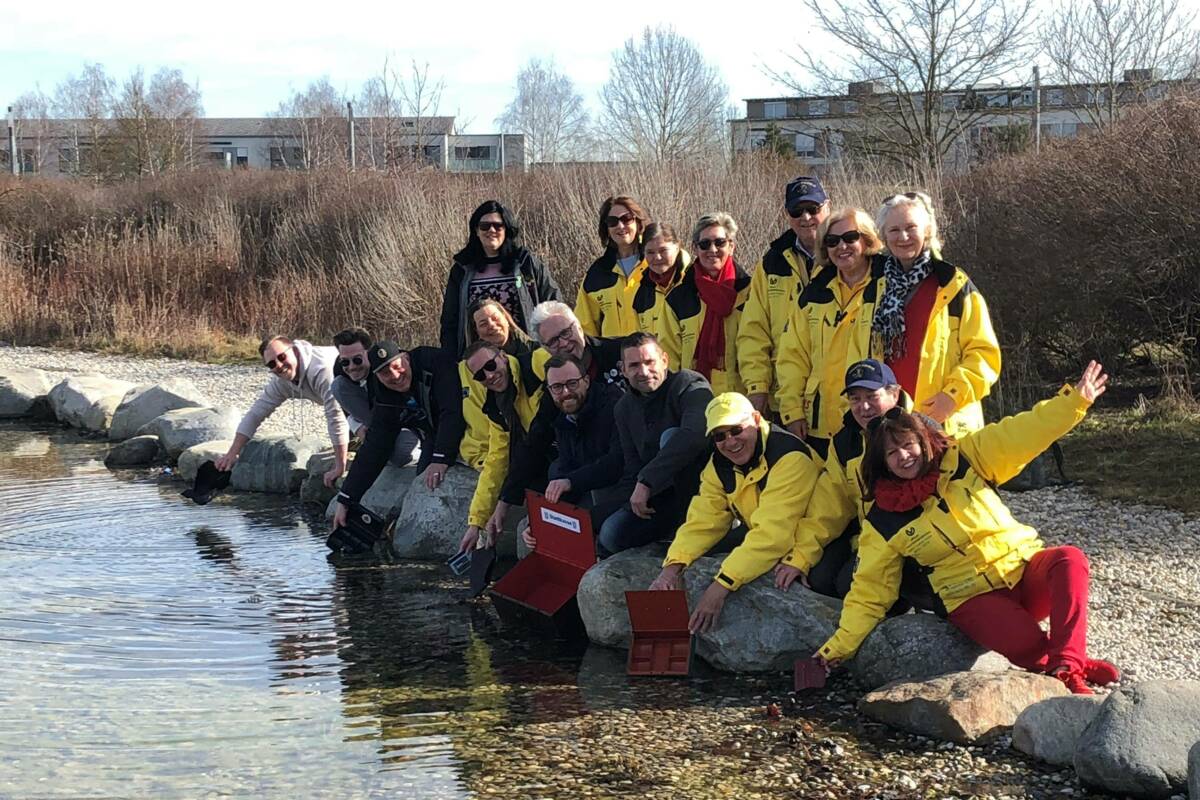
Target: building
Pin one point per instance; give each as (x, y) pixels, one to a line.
(75, 146)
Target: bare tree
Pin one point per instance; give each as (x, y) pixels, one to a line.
(87, 100)
(33, 112)
(1097, 44)
(315, 119)
(549, 112)
(379, 119)
(912, 54)
(420, 97)
(663, 101)
(156, 123)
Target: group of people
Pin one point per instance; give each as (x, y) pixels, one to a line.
(818, 417)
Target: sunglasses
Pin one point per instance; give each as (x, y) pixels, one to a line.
(565, 386)
(849, 237)
(720, 436)
(278, 361)
(796, 212)
(907, 195)
(488, 366)
(707, 244)
(484, 227)
(625, 219)
(890, 415)
(355, 360)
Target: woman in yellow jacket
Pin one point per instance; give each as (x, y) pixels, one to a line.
(734, 486)
(930, 497)
(699, 323)
(666, 264)
(604, 304)
(489, 322)
(814, 348)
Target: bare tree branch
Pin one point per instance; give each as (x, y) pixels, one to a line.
(549, 111)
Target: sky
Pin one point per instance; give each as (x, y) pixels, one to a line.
(248, 57)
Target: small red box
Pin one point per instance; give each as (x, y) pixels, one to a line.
(661, 642)
(540, 590)
(808, 673)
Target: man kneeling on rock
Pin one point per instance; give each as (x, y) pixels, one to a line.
(760, 476)
(299, 370)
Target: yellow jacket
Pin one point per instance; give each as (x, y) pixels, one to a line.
(959, 356)
(680, 323)
(527, 395)
(474, 445)
(782, 274)
(963, 535)
(649, 299)
(768, 512)
(604, 304)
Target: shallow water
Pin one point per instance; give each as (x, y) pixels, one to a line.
(153, 648)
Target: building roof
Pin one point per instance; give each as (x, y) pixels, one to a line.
(251, 127)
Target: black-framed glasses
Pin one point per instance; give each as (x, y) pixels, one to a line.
(562, 338)
(488, 366)
(720, 436)
(707, 244)
(849, 237)
(799, 210)
(355, 360)
(613, 221)
(484, 227)
(566, 386)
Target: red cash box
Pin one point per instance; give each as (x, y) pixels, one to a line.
(661, 642)
(540, 590)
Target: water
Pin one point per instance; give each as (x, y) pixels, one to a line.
(153, 648)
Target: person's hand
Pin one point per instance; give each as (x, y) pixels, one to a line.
(339, 516)
(469, 539)
(704, 618)
(760, 401)
(226, 462)
(434, 475)
(1093, 383)
(527, 535)
(495, 523)
(639, 501)
(829, 664)
(556, 488)
(334, 472)
(799, 427)
(668, 579)
(361, 433)
(786, 575)
(939, 407)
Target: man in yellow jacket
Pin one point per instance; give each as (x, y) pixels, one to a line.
(749, 450)
(782, 273)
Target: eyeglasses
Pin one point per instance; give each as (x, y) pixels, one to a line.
(562, 338)
(355, 360)
(908, 195)
(278, 361)
(484, 227)
(488, 366)
(849, 237)
(796, 212)
(707, 244)
(624, 219)
(565, 386)
(720, 436)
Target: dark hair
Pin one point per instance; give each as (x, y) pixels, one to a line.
(888, 429)
(634, 207)
(637, 340)
(484, 302)
(655, 230)
(478, 345)
(558, 362)
(472, 252)
(266, 342)
(351, 335)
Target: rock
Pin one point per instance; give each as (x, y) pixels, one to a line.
(1138, 742)
(961, 707)
(133, 452)
(20, 390)
(912, 647)
(87, 401)
(143, 403)
(601, 594)
(186, 427)
(761, 629)
(430, 523)
(387, 494)
(1194, 772)
(274, 463)
(191, 459)
(1050, 730)
(313, 489)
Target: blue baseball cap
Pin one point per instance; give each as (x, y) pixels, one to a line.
(869, 374)
(804, 189)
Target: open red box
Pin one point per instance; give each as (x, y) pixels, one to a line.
(661, 642)
(540, 590)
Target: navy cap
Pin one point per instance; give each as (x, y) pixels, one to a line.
(869, 374)
(383, 353)
(804, 190)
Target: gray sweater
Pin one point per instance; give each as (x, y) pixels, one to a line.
(643, 418)
(315, 383)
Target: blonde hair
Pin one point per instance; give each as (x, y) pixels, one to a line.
(862, 221)
(919, 201)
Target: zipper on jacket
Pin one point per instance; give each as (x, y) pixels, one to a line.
(947, 539)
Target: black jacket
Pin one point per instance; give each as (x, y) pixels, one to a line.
(643, 418)
(535, 285)
(432, 407)
(605, 353)
(589, 454)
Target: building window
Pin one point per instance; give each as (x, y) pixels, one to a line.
(1053, 97)
(1097, 96)
(950, 102)
(849, 106)
(29, 164)
(1024, 99)
(806, 145)
(472, 153)
(818, 108)
(775, 109)
(999, 100)
(68, 159)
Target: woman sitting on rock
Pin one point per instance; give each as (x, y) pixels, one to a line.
(490, 322)
(930, 497)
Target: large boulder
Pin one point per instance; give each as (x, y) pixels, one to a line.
(313, 489)
(1050, 730)
(430, 522)
(601, 595)
(275, 463)
(387, 494)
(135, 452)
(961, 707)
(1138, 743)
(21, 389)
(761, 628)
(186, 427)
(1194, 772)
(913, 647)
(87, 401)
(144, 403)
(191, 459)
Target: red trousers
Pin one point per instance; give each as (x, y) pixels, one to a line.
(1054, 585)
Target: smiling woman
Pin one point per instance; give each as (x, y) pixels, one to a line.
(604, 304)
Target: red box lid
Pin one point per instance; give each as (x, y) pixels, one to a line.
(563, 531)
(658, 611)
(661, 643)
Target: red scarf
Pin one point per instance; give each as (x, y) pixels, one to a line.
(718, 297)
(892, 494)
(661, 281)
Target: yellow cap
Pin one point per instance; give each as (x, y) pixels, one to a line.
(728, 408)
